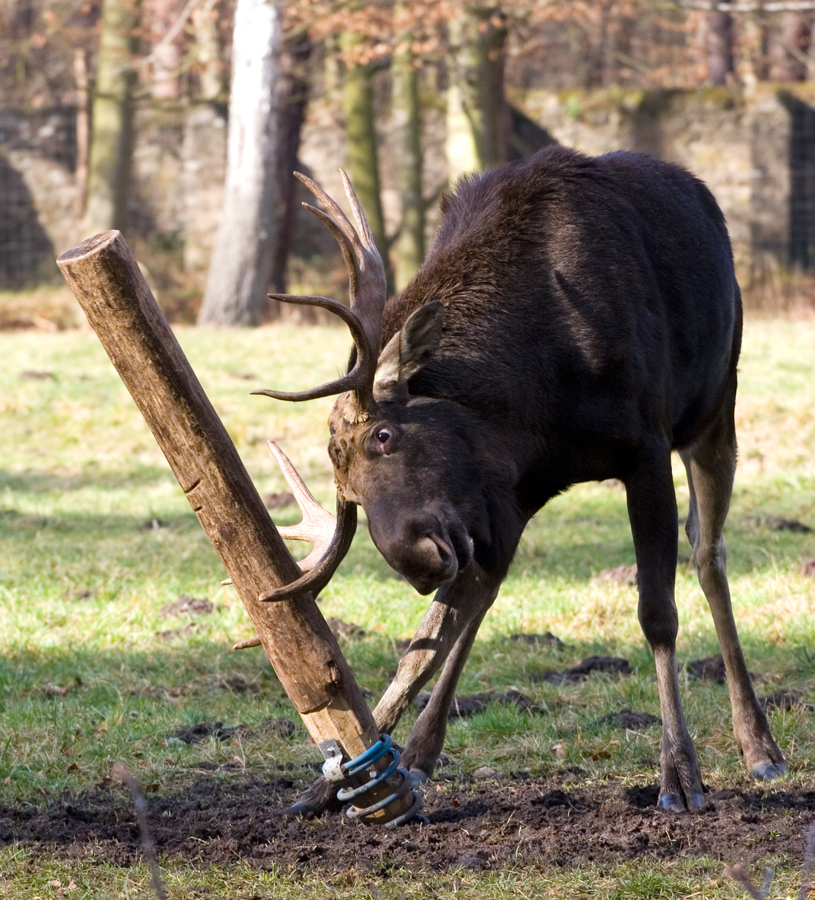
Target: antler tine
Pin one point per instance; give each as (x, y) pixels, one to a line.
(317, 526)
(356, 209)
(353, 380)
(333, 551)
(368, 293)
(331, 205)
(351, 249)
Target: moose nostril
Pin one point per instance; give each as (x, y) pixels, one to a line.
(446, 554)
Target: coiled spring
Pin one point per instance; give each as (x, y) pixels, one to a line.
(355, 767)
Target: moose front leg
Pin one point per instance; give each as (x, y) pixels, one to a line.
(444, 636)
(426, 739)
(652, 511)
(448, 629)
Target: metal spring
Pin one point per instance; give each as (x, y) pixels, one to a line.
(357, 766)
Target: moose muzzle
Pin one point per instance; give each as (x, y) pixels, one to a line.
(427, 549)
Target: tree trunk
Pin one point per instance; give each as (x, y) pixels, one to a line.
(360, 132)
(788, 48)
(166, 53)
(716, 34)
(294, 88)
(407, 122)
(208, 53)
(111, 153)
(476, 107)
(241, 264)
(83, 130)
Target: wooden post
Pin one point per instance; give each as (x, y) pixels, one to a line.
(105, 278)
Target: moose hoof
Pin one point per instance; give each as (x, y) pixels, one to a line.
(320, 798)
(767, 771)
(301, 810)
(677, 803)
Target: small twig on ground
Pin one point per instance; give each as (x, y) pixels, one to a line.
(809, 857)
(121, 773)
(739, 875)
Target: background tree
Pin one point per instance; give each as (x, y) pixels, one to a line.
(407, 128)
(360, 125)
(208, 52)
(476, 106)
(788, 48)
(111, 149)
(294, 84)
(716, 37)
(164, 22)
(241, 264)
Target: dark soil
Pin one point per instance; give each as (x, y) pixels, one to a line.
(464, 707)
(613, 665)
(194, 606)
(481, 825)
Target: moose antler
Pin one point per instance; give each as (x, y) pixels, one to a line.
(367, 292)
(330, 537)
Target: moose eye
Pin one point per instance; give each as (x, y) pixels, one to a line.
(382, 440)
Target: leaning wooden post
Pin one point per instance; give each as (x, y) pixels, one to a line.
(105, 278)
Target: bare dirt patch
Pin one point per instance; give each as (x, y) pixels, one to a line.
(481, 825)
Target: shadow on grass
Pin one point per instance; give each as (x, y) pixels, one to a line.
(33, 482)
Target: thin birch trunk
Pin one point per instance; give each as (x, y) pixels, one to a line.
(241, 265)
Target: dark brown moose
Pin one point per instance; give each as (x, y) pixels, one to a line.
(576, 320)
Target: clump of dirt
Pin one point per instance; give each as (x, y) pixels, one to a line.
(193, 606)
(808, 568)
(711, 668)
(201, 731)
(631, 721)
(478, 824)
(779, 523)
(785, 700)
(612, 665)
(625, 575)
(463, 707)
(344, 629)
(279, 500)
(173, 633)
(536, 640)
(195, 734)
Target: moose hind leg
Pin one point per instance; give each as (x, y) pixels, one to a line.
(652, 511)
(711, 466)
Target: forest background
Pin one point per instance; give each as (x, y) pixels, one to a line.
(180, 122)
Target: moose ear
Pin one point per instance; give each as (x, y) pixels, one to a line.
(408, 351)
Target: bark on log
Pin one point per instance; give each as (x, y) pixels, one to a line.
(105, 278)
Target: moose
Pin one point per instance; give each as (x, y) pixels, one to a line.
(577, 319)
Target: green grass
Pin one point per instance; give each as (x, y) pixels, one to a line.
(697, 878)
(87, 678)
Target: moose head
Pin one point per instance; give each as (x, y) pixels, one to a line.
(409, 461)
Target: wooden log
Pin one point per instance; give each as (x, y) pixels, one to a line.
(105, 278)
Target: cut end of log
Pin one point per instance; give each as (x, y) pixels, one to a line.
(91, 245)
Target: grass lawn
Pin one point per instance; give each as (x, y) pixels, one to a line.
(98, 540)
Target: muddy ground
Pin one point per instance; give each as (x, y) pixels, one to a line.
(478, 824)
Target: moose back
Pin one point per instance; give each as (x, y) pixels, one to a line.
(577, 319)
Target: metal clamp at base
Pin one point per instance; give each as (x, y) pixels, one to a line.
(335, 770)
